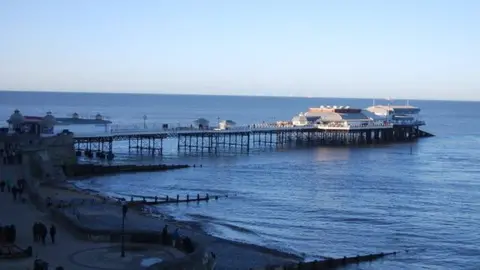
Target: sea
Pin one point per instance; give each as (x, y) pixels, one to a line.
(315, 202)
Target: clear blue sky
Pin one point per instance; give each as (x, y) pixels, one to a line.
(404, 49)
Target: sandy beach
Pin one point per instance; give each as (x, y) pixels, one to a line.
(230, 254)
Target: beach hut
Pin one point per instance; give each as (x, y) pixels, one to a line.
(201, 123)
(226, 124)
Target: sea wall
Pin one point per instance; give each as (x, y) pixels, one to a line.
(60, 149)
(47, 160)
(40, 158)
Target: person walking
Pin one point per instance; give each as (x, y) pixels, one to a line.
(165, 235)
(35, 231)
(43, 232)
(2, 185)
(53, 232)
(175, 237)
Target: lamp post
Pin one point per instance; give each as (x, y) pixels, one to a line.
(124, 213)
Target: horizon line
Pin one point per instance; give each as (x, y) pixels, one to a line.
(229, 95)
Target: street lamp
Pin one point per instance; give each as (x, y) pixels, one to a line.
(124, 213)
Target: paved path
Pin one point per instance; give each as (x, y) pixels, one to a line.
(68, 251)
(75, 254)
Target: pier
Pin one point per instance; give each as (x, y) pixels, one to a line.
(324, 125)
(244, 138)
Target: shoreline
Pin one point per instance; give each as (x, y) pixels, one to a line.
(194, 228)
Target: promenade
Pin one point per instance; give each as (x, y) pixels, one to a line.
(230, 255)
(77, 254)
(68, 251)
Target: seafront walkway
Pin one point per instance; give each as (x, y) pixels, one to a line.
(68, 251)
(230, 255)
(76, 254)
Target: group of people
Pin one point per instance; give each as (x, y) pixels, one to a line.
(10, 155)
(168, 239)
(16, 189)
(8, 234)
(40, 232)
(176, 240)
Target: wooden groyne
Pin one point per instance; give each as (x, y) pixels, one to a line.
(137, 200)
(88, 170)
(333, 263)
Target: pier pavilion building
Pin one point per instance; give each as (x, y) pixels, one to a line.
(336, 116)
(401, 115)
(31, 124)
(201, 123)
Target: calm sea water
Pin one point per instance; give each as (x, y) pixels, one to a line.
(318, 201)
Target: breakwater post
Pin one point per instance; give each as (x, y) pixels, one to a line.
(332, 263)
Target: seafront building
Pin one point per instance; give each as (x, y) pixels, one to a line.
(45, 155)
(338, 116)
(397, 114)
(345, 116)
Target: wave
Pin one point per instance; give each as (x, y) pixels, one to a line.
(212, 220)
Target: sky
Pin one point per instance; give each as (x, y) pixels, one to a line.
(417, 49)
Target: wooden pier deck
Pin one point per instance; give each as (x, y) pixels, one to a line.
(244, 138)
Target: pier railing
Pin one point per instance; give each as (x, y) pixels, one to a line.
(408, 122)
(255, 127)
(267, 127)
(179, 130)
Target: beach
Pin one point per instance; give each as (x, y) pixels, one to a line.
(229, 254)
